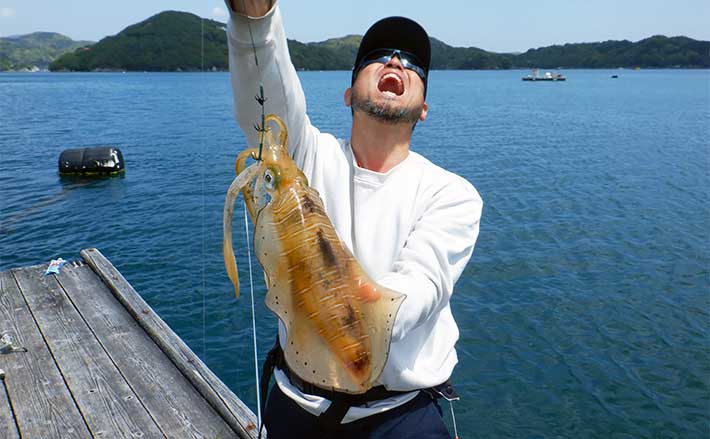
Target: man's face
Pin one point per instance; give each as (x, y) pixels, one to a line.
(388, 92)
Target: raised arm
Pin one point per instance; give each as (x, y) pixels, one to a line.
(282, 88)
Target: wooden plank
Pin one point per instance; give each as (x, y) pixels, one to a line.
(227, 404)
(172, 400)
(8, 427)
(42, 403)
(109, 406)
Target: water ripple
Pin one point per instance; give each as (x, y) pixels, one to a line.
(584, 311)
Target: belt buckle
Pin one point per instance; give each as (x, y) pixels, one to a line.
(447, 391)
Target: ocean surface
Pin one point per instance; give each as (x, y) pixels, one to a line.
(584, 312)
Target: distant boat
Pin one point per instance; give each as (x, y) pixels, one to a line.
(614, 76)
(548, 76)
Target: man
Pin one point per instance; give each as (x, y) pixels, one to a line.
(411, 225)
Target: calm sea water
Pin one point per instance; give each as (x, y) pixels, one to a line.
(584, 312)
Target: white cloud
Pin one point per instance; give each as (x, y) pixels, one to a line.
(7, 12)
(219, 12)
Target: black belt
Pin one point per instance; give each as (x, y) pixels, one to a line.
(340, 401)
(374, 394)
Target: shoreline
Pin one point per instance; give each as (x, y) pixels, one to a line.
(513, 69)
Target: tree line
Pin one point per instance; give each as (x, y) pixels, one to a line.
(177, 41)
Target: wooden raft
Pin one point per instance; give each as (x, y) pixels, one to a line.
(101, 364)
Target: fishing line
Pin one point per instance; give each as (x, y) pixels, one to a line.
(453, 418)
(253, 319)
(261, 129)
(202, 147)
(259, 98)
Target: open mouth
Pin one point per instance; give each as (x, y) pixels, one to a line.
(391, 84)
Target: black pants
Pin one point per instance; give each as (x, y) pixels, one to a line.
(419, 418)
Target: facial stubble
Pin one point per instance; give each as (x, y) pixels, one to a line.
(383, 111)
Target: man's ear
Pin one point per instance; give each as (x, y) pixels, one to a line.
(348, 96)
(425, 110)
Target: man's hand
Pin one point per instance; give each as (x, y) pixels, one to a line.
(252, 8)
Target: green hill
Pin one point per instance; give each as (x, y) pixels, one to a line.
(656, 51)
(445, 57)
(171, 41)
(35, 50)
(314, 56)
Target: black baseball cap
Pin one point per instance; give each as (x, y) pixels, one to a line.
(399, 33)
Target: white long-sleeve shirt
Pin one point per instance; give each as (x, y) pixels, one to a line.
(412, 228)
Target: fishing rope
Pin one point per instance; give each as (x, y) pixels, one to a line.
(253, 319)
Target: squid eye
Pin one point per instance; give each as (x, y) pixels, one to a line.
(269, 179)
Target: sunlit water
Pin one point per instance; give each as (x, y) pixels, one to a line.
(583, 312)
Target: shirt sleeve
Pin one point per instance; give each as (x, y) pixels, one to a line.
(434, 255)
(282, 88)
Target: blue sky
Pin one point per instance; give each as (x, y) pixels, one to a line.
(501, 25)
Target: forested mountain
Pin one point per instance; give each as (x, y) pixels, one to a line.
(445, 57)
(331, 54)
(172, 41)
(35, 50)
(169, 41)
(656, 51)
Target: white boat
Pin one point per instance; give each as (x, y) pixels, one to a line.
(548, 76)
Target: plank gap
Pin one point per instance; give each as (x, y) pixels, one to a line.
(223, 400)
(56, 364)
(108, 354)
(12, 409)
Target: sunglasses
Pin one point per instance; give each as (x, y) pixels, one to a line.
(408, 60)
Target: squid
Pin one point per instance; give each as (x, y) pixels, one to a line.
(338, 320)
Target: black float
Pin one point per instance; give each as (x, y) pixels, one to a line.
(97, 161)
